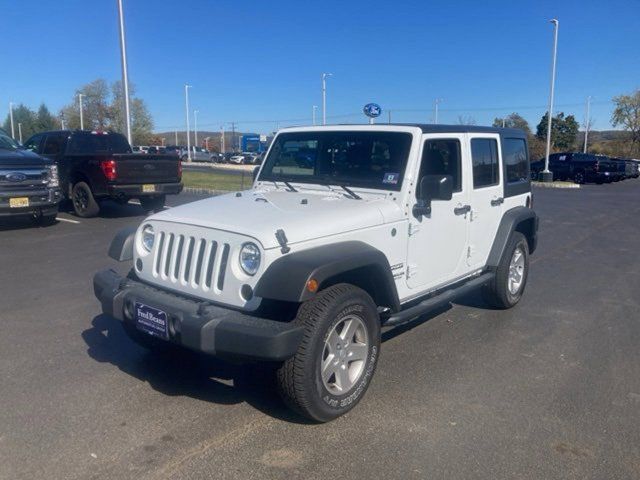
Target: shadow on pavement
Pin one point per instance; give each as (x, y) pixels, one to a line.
(185, 373)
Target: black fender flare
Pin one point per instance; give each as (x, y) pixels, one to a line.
(521, 219)
(286, 278)
(121, 248)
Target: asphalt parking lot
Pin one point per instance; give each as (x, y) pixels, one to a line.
(550, 389)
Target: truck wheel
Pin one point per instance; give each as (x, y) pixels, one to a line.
(47, 220)
(579, 178)
(84, 204)
(511, 276)
(338, 354)
(153, 204)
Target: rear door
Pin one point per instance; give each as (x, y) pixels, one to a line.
(486, 196)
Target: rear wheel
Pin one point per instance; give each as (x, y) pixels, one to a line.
(84, 204)
(506, 289)
(153, 204)
(579, 178)
(337, 357)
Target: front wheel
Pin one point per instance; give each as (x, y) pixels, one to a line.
(507, 287)
(579, 178)
(337, 357)
(153, 204)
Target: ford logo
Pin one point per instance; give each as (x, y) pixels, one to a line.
(148, 166)
(372, 110)
(16, 177)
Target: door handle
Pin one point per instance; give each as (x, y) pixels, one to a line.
(462, 210)
(497, 201)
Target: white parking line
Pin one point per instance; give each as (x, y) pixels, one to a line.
(68, 220)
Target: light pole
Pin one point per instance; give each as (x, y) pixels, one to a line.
(162, 140)
(195, 127)
(222, 146)
(435, 115)
(324, 97)
(313, 114)
(586, 125)
(186, 106)
(547, 176)
(176, 137)
(20, 131)
(125, 73)
(62, 120)
(80, 95)
(13, 132)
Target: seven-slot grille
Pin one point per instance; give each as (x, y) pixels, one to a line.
(191, 260)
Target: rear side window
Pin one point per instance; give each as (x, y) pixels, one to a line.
(484, 155)
(516, 160)
(442, 157)
(53, 145)
(90, 143)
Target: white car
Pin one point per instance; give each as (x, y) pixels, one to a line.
(237, 159)
(347, 229)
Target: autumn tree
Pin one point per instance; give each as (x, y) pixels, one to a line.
(626, 114)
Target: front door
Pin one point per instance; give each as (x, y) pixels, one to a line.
(486, 196)
(438, 241)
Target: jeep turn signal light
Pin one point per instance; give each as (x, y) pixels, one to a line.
(312, 285)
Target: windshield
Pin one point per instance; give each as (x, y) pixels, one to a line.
(360, 159)
(7, 143)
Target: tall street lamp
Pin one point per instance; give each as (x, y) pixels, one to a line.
(314, 109)
(586, 124)
(195, 127)
(435, 114)
(186, 106)
(80, 95)
(20, 131)
(13, 132)
(125, 73)
(547, 176)
(324, 97)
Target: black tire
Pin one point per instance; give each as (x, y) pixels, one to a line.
(84, 204)
(579, 178)
(300, 380)
(155, 345)
(153, 204)
(497, 293)
(185, 158)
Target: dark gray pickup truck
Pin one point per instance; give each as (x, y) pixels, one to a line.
(95, 166)
(29, 184)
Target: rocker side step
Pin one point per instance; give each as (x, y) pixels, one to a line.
(430, 304)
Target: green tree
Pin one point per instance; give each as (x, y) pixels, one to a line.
(24, 116)
(95, 107)
(627, 115)
(45, 121)
(141, 120)
(564, 131)
(513, 120)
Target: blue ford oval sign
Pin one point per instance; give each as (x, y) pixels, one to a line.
(372, 110)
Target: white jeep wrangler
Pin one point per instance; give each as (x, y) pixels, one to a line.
(347, 229)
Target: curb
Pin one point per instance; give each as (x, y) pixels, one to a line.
(555, 185)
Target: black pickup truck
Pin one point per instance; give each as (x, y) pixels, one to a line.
(579, 167)
(29, 184)
(95, 166)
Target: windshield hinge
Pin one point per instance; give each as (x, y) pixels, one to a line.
(412, 269)
(413, 228)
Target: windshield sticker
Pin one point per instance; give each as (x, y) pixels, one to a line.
(391, 178)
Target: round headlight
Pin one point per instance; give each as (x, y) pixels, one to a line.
(250, 258)
(148, 237)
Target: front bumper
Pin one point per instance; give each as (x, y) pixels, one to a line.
(119, 191)
(41, 202)
(199, 325)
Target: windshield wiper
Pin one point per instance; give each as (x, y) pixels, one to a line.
(351, 193)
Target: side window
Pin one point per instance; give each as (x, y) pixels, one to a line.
(442, 157)
(484, 155)
(53, 145)
(33, 143)
(515, 158)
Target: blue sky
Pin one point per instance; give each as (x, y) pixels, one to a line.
(259, 63)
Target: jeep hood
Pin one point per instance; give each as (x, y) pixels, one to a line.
(302, 215)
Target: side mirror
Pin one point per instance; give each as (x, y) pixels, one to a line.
(254, 174)
(432, 187)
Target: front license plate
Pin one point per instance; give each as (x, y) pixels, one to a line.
(152, 321)
(18, 202)
(148, 188)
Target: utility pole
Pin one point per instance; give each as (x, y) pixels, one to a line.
(162, 140)
(80, 95)
(20, 131)
(125, 73)
(176, 137)
(13, 132)
(222, 146)
(547, 176)
(435, 115)
(587, 124)
(389, 116)
(62, 120)
(313, 117)
(233, 136)
(324, 97)
(186, 106)
(195, 127)
(503, 123)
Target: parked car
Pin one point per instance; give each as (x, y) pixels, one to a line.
(29, 183)
(391, 222)
(153, 150)
(198, 154)
(238, 159)
(578, 167)
(95, 166)
(216, 157)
